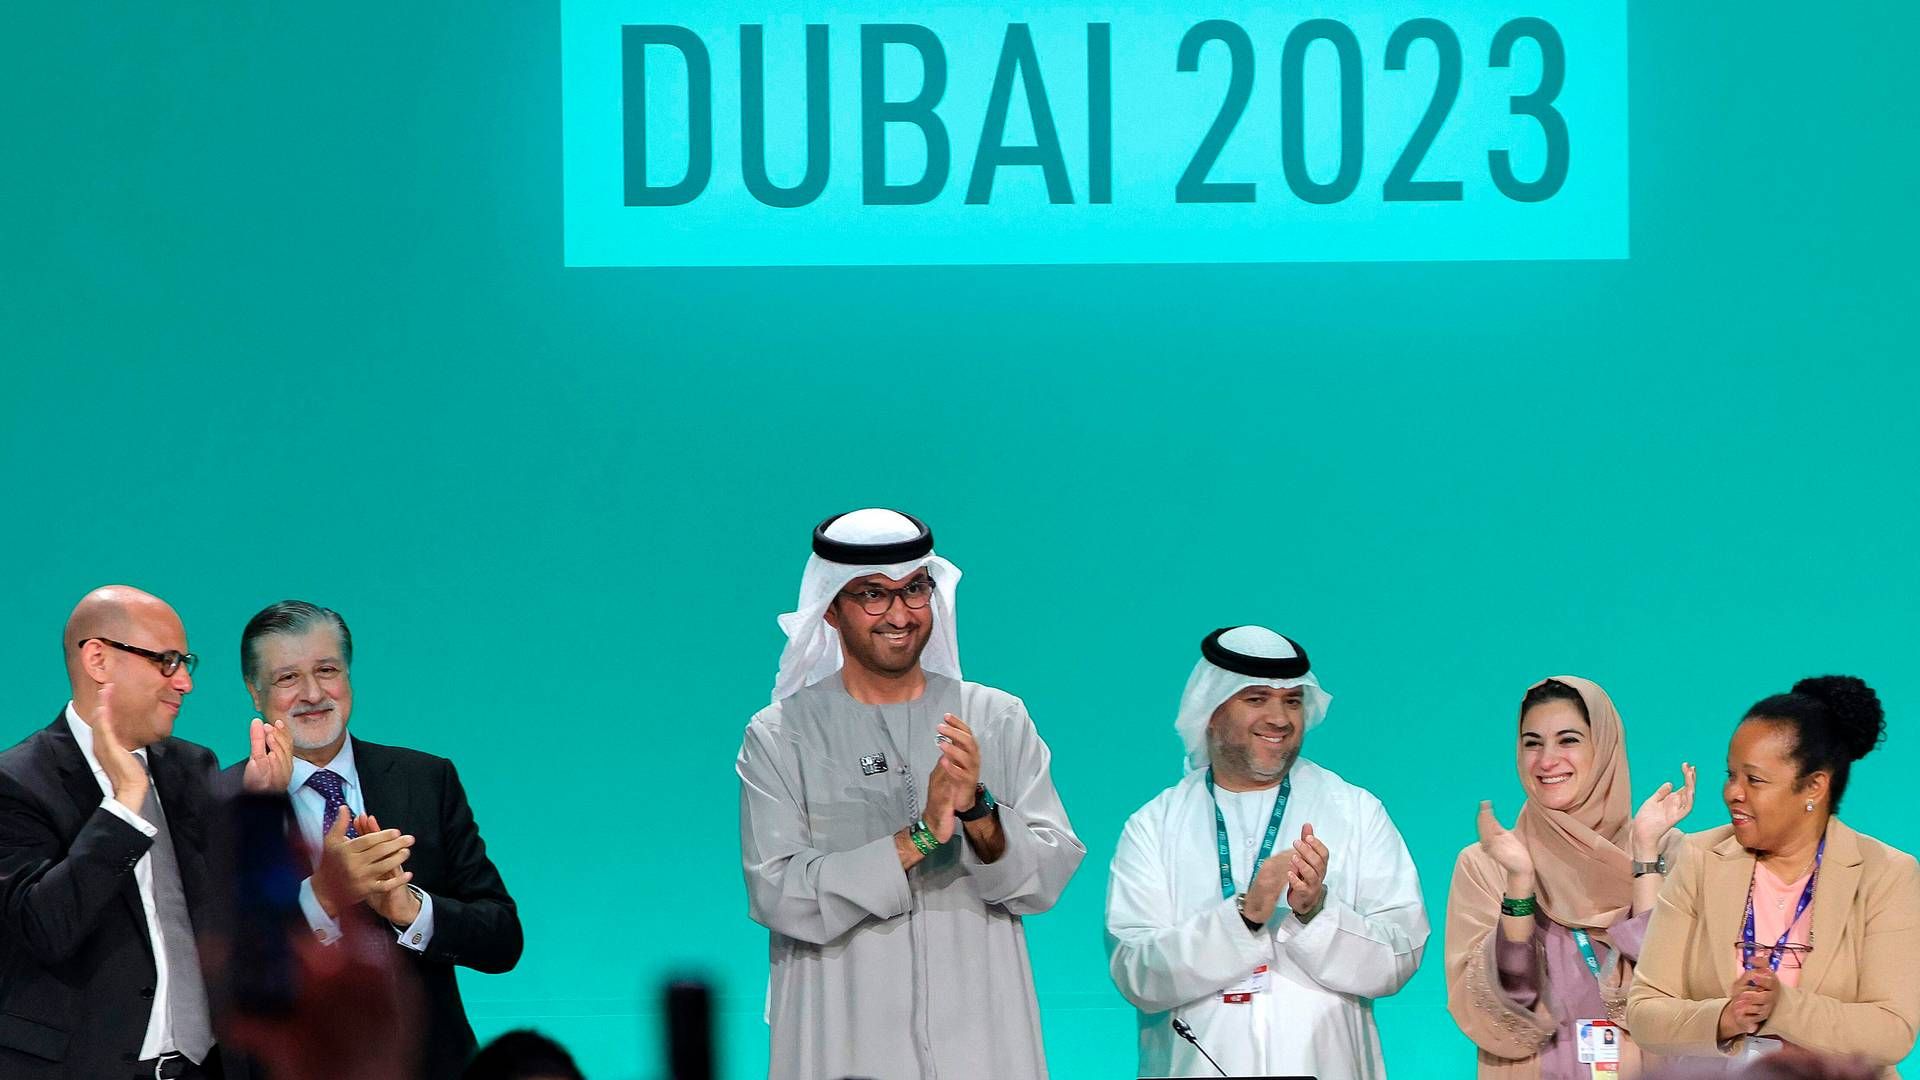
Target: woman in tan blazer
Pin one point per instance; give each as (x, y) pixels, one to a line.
(1786, 926)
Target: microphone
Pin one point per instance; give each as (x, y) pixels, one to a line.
(1185, 1031)
(690, 1054)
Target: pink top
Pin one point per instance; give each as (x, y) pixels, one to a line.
(1571, 990)
(1773, 904)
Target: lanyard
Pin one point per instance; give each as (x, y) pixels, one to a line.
(1799, 909)
(1581, 939)
(1266, 846)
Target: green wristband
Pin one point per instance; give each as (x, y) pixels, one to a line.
(1522, 907)
(922, 837)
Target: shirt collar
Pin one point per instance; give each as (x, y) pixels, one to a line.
(83, 735)
(342, 766)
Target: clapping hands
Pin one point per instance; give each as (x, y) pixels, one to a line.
(1663, 810)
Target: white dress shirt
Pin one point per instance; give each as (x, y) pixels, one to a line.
(159, 1037)
(310, 811)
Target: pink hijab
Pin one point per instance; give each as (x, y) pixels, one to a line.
(1582, 871)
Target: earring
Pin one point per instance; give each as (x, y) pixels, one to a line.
(1809, 806)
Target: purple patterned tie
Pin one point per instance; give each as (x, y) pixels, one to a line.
(327, 783)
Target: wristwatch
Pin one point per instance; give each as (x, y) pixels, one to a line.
(983, 804)
(1240, 905)
(1657, 866)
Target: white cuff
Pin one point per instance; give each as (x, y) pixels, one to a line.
(325, 927)
(419, 935)
(119, 809)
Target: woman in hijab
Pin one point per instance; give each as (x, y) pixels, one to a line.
(1786, 930)
(1545, 921)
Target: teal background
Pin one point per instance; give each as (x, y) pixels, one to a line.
(285, 315)
(1159, 117)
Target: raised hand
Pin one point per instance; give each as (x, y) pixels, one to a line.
(1307, 873)
(125, 774)
(951, 787)
(960, 758)
(269, 756)
(1507, 850)
(391, 901)
(357, 1013)
(1264, 891)
(940, 803)
(1663, 810)
(351, 871)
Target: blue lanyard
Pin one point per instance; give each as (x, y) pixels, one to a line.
(1799, 909)
(1266, 846)
(1581, 939)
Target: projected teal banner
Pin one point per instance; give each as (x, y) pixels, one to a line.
(875, 133)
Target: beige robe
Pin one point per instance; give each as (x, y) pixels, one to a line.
(1510, 1039)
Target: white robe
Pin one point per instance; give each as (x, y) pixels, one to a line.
(1174, 944)
(879, 972)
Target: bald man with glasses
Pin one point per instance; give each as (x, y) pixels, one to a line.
(104, 825)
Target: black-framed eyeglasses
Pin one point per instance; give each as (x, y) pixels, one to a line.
(169, 661)
(878, 599)
(1792, 954)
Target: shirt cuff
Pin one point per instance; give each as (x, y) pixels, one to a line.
(1517, 965)
(326, 929)
(118, 809)
(1311, 935)
(419, 934)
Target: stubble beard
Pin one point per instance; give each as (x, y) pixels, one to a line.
(874, 659)
(1238, 761)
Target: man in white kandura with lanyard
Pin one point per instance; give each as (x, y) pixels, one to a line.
(1256, 908)
(896, 824)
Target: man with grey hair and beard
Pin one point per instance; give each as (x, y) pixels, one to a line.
(425, 873)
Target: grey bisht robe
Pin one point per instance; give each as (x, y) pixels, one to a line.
(879, 972)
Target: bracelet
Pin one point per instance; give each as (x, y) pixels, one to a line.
(922, 837)
(1522, 907)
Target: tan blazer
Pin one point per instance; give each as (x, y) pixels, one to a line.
(1860, 991)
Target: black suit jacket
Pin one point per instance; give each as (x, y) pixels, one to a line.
(475, 922)
(76, 961)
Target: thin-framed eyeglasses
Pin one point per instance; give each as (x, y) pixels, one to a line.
(169, 660)
(878, 599)
(1792, 954)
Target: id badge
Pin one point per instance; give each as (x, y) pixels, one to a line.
(1599, 1045)
(1242, 992)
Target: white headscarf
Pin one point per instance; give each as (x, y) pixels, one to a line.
(1211, 684)
(813, 647)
